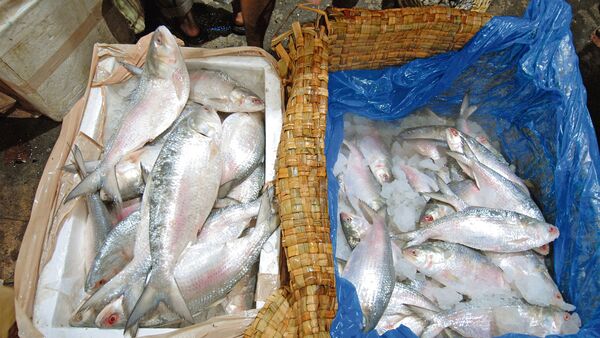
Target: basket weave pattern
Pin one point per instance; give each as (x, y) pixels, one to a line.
(371, 39)
(345, 39)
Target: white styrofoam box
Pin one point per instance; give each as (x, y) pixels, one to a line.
(45, 53)
(60, 287)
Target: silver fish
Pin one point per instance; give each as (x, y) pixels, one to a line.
(114, 255)
(458, 267)
(354, 227)
(182, 189)
(246, 191)
(218, 90)
(377, 155)
(161, 94)
(425, 132)
(468, 191)
(241, 297)
(370, 269)
(242, 148)
(228, 223)
(130, 171)
(390, 321)
(200, 289)
(418, 181)
(458, 141)
(434, 149)
(101, 219)
(362, 186)
(201, 275)
(427, 287)
(405, 295)
(498, 191)
(511, 316)
(434, 210)
(129, 282)
(487, 229)
(528, 273)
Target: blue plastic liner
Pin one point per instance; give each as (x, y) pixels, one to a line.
(523, 74)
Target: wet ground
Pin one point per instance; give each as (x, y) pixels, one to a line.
(26, 142)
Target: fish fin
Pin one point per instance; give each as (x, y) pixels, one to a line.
(225, 188)
(542, 250)
(426, 314)
(174, 300)
(91, 183)
(466, 109)
(79, 162)
(131, 331)
(432, 330)
(89, 166)
(111, 188)
(145, 173)
(463, 161)
(455, 201)
(415, 237)
(225, 202)
(215, 101)
(369, 214)
(519, 241)
(133, 69)
(152, 296)
(444, 188)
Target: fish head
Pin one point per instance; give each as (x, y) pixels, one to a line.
(416, 256)
(434, 211)
(551, 320)
(246, 100)
(113, 315)
(84, 317)
(425, 256)
(382, 172)
(205, 121)
(546, 232)
(571, 323)
(164, 55)
(454, 139)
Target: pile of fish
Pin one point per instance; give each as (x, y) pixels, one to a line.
(436, 232)
(183, 184)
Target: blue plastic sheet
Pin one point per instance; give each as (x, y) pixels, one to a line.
(523, 74)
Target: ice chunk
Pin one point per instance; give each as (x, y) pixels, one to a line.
(446, 297)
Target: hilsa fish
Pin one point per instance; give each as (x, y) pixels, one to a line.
(159, 98)
(182, 190)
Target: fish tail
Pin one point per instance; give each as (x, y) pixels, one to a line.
(152, 295)
(466, 109)
(91, 183)
(432, 330)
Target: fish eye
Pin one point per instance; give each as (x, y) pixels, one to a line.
(558, 296)
(567, 316)
(428, 218)
(112, 319)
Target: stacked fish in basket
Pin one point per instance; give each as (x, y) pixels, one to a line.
(437, 232)
(185, 184)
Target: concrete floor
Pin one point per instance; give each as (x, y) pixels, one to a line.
(32, 139)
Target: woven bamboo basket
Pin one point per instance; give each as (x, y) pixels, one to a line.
(341, 39)
(478, 5)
